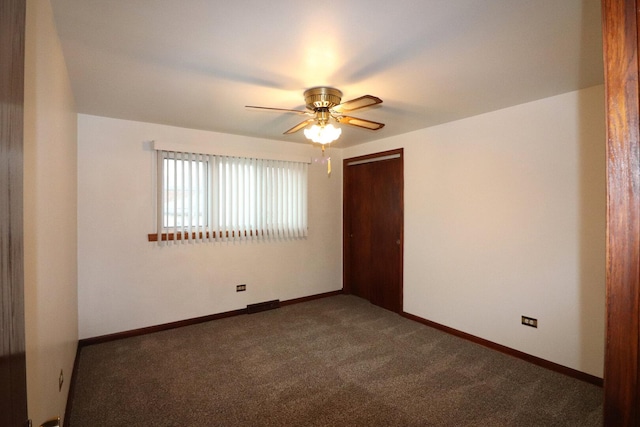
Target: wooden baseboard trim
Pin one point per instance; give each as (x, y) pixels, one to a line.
(158, 328)
(509, 351)
(311, 298)
(187, 322)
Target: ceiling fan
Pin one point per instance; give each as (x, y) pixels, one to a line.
(324, 104)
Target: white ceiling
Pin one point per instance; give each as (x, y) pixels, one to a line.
(197, 63)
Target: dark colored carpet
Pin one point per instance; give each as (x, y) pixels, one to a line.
(337, 361)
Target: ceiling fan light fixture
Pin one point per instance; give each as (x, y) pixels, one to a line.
(323, 134)
(324, 104)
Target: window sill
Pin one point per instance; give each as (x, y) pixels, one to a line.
(202, 235)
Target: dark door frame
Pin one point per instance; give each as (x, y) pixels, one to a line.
(13, 383)
(622, 349)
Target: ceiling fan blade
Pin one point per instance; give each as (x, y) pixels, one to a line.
(356, 104)
(299, 126)
(354, 121)
(280, 109)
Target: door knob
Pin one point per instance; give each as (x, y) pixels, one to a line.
(53, 422)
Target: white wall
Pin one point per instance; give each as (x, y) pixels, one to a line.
(126, 282)
(505, 216)
(51, 304)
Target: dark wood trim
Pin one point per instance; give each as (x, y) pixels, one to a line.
(509, 351)
(153, 237)
(13, 383)
(158, 328)
(346, 250)
(401, 278)
(622, 349)
(373, 156)
(311, 298)
(187, 322)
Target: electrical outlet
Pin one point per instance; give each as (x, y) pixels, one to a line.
(530, 321)
(241, 288)
(60, 380)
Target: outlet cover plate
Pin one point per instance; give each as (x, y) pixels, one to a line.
(529, 321)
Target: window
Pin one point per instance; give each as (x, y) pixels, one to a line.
(204, 197)
(186, 199)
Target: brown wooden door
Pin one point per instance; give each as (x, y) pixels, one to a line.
(373, 228)
(13, 388)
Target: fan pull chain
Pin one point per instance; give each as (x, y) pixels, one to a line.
(328, 162)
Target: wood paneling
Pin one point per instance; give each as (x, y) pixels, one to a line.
(621, 376)
(13, 392)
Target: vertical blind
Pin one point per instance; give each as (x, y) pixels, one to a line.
(205, 197)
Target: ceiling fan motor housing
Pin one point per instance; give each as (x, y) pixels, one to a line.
(325, 104)
(322, 97)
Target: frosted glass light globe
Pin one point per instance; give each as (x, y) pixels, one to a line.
(323, 134)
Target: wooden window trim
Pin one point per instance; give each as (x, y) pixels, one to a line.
(153, 237)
